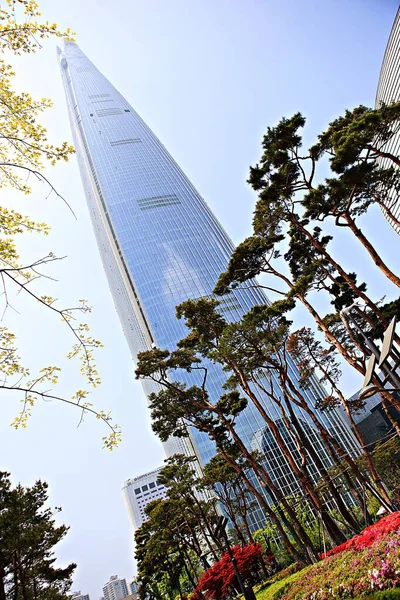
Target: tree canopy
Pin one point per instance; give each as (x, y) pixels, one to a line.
(28, 534)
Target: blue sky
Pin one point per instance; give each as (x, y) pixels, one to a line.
(208, 77)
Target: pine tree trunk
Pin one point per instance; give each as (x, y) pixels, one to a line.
(207, 523)
(244, 515)
(367, 455)
(335, 532)
(292, 523)
(371, 251)
(320, 322)
(192, 576)
(232, 516)
(333, 447)
(296, 554)
(197, 545)
(322, 470)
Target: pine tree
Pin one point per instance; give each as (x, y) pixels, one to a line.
(291, 242)
(28, 534)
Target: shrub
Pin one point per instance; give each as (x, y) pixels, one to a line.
(355, 573)
(369, 535)
(218, 580)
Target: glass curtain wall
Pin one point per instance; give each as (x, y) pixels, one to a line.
(160, 245)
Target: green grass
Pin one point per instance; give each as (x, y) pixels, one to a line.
(385, 595)
(270, 590)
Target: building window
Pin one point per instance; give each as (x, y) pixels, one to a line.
(137, 491)
(144, 488)
(152, 485)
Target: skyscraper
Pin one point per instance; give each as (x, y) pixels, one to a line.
(389, 91)
(159, 242)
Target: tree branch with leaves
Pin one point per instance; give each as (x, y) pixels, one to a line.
(25, 150)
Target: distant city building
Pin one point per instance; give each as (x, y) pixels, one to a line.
(389, 91)
(133, 587)
(115, 589)
(138, 492)
(80, 596)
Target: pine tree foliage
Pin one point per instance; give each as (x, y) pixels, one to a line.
(299, 214)
(28, 535)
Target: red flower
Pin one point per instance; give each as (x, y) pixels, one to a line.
(215, 583)
(370, 535)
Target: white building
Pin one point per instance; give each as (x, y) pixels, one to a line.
(80, 596)
(138, 492)
(134, 588)
(115, 589)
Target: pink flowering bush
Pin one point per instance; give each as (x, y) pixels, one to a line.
(369, 535)
(355, 573)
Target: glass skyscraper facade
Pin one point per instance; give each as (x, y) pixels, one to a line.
(159, 241)
(389, 91)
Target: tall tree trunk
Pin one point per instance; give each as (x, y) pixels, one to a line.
(197, 546)
(322, 470)
(274, 492)
(360, 438)
(298, 555)
(15, 578)
(336, 451)
(353, 286)
(244, 513)
(335, 532)
(371, 251)
(194, 580)
(232, 515)
(208, 526)
(320, 322)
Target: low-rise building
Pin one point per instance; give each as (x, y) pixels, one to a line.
(80, 596)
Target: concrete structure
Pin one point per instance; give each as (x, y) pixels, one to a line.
(80, 596)
(133, 587)
(389, 91)
(115, 589)
(137, 493)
